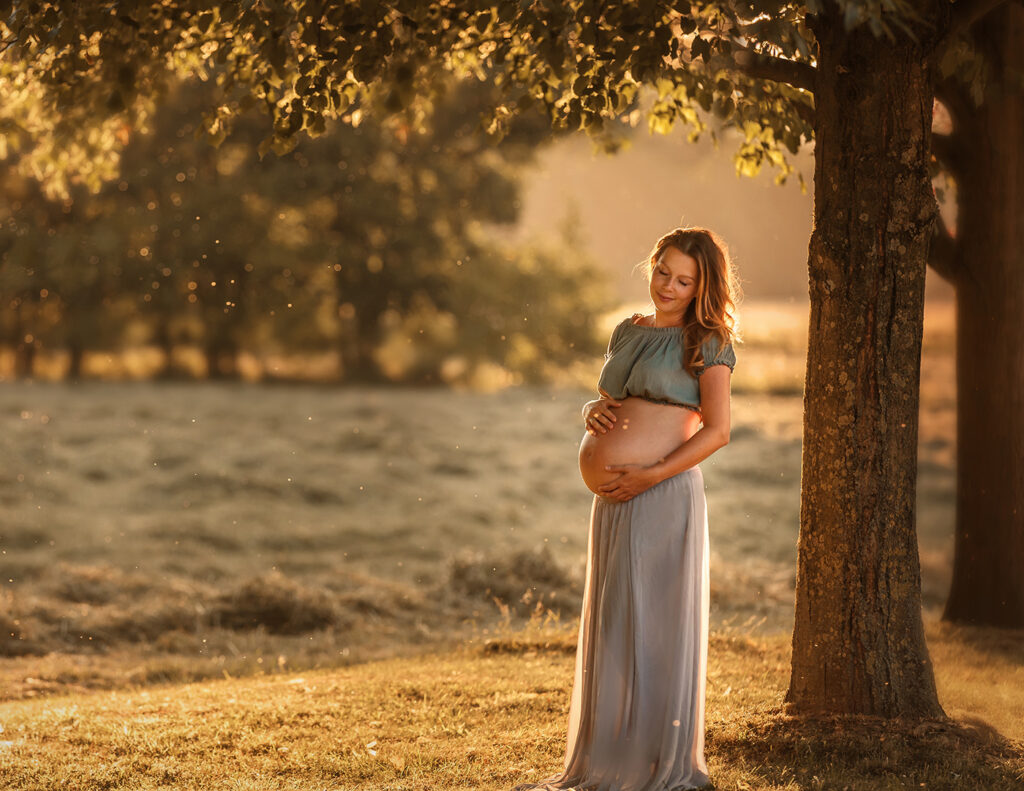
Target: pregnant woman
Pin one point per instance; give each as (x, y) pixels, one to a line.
(636, 713)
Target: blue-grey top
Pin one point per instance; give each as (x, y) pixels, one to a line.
(648, 362)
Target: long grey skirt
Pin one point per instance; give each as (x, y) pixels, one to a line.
(636, 714)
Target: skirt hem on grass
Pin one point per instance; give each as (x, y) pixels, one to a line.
(636, 713)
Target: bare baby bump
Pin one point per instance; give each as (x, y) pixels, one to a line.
(643, 433)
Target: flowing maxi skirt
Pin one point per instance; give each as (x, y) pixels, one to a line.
(636, 714)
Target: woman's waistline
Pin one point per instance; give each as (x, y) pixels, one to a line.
(675, 481)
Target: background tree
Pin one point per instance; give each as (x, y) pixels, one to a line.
(856, 76)
(362, 238)
(982, 85)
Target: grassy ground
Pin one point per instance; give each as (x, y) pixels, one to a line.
(158, 535)
(491, 714)
(169, 532)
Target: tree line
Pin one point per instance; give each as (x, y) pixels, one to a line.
(351, 243)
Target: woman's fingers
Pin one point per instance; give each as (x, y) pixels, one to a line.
(601, 418)
(601, 421)
(616, 494)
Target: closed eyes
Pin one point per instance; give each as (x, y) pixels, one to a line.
(683, 283)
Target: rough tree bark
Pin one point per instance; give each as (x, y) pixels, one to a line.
(986, 265)
(858, 638)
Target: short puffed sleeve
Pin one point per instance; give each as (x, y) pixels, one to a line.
(616, 335)
(715, 353)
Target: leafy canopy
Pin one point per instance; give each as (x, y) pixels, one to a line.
(78, 79)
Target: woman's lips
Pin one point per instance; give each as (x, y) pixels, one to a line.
(664, 299)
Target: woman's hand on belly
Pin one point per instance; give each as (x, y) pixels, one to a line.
(598, 415)
(645, 432)
(634, 478)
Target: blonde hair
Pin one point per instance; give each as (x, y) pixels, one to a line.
(711, 313)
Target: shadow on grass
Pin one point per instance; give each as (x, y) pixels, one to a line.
(860, 752)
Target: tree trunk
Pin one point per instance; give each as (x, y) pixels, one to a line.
(25, 360)
(221, 360)
(858, 638)
(76, 355)
(358, 335)
(988, 273)
(24, 350)
(16, 340)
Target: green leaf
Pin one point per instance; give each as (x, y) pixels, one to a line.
(700, 48)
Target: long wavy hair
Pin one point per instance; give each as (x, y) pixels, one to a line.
(711, 313)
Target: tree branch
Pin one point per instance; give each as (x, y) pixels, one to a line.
(768, 67)
(964, 14)
(942, 252)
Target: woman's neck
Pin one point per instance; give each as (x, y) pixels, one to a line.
(661, 319)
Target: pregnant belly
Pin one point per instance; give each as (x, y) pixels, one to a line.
(644, 433)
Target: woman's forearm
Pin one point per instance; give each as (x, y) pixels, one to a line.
(698, 447)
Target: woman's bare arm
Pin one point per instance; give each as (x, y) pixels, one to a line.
(714, 434)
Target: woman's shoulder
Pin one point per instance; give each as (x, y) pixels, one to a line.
(634, 320)
(628, 321)
(620, 331)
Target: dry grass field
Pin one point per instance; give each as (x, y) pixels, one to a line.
(484, 717)
(154, 534)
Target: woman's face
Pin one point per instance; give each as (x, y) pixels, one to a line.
(673, 284)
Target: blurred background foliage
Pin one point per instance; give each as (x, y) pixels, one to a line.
(369, 253)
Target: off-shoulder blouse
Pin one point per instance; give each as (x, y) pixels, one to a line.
(648, 362)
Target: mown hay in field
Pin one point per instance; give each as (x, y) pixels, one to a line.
(94, 584)
(20, 633)
(151, 619)
(379, 599)
(277, 603)
(14, 641)
(520, 580)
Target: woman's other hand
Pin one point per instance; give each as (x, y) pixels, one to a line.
(635, 478)
(598, 415)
